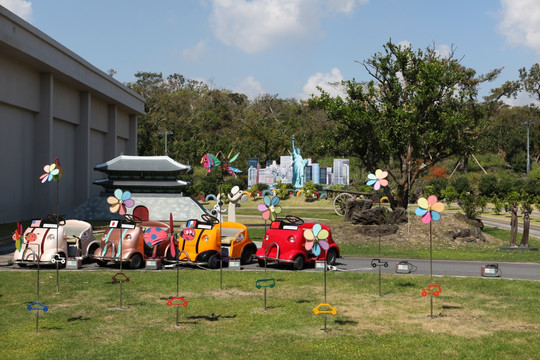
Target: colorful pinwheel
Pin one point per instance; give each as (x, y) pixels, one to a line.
(429, 209)
(50, 172)
(316, 239)
(120, 201)
(378, 179)
(270, 208)
(210, 161)
(18, 237)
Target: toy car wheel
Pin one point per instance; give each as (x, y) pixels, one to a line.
(331, 257)
(436, 293)
(385, 264)
(21, 265)
(298, 262)
(136, 261)
(213, 261)
(424, 293)
(247, 255)
(261, 262)
(102, 263)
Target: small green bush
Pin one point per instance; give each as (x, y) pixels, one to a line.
(487, 186)
(461, 184)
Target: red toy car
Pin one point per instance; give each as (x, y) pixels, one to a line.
(285, 242)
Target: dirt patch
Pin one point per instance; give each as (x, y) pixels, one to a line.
(413, 234)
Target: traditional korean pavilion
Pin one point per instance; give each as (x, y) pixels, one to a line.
(154, 183)
(143, 174)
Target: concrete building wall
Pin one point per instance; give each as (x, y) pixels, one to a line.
(53, 104)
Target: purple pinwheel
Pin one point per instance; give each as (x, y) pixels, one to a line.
(120, 201)
(316, 239)
(269, 208)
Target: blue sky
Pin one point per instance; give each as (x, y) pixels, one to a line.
(284, 47)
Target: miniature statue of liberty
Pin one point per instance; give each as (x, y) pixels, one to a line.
(298, 164)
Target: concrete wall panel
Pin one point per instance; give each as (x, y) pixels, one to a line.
(66, 103)
(19, 84)
(16, 139)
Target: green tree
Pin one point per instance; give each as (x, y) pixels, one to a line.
(418, 109)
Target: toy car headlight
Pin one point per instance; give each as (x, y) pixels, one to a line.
(266, 237)
(128, 237)
(291, 239)
(205, 238)
(50, 237)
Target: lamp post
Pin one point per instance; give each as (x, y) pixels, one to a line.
(528, 123)
(165, 133)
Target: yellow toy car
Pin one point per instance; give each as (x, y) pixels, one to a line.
(207, 242)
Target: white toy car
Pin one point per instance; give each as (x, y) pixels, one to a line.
(39, 241)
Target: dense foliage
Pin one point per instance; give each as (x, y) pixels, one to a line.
(419, 109)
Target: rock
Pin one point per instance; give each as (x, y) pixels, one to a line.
(374, 216)
(356, 205)
(398, 216)
(376, 230)
(471, 222)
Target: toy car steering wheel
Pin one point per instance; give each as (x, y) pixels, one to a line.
(294, 219)
(134, 219)
(210, 219)
(57, 219)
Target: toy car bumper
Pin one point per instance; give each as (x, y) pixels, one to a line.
(272, 259)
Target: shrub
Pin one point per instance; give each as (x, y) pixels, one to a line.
(487, 185)
(467, 201)
(505, 186)
(309, 188)
(461, 184)
(481, 202)
(450, 194)
(436, 186)
(282, 190)
(497, 205)
(436, 173)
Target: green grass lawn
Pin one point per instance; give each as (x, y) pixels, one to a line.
(475, 318)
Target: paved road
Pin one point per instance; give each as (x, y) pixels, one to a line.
(522, 271)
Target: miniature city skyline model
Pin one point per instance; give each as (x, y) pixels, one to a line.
(336, 175)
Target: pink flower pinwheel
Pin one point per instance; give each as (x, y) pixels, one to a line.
(50, 172)
(270, 208)
(429, 209)
(377, 179)
(120, 201)
(316, 239)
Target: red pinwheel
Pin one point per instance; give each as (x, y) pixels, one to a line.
(429, 209)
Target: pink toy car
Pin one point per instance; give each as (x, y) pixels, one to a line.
(284, 242)
(124, 241)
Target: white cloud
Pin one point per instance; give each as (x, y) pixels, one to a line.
(196, 52)
(522, 99)
(521, 22)
(250, 87)
(443, 51)
(344, 6)
(257, 25)
(20, 8)
(329, 82)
